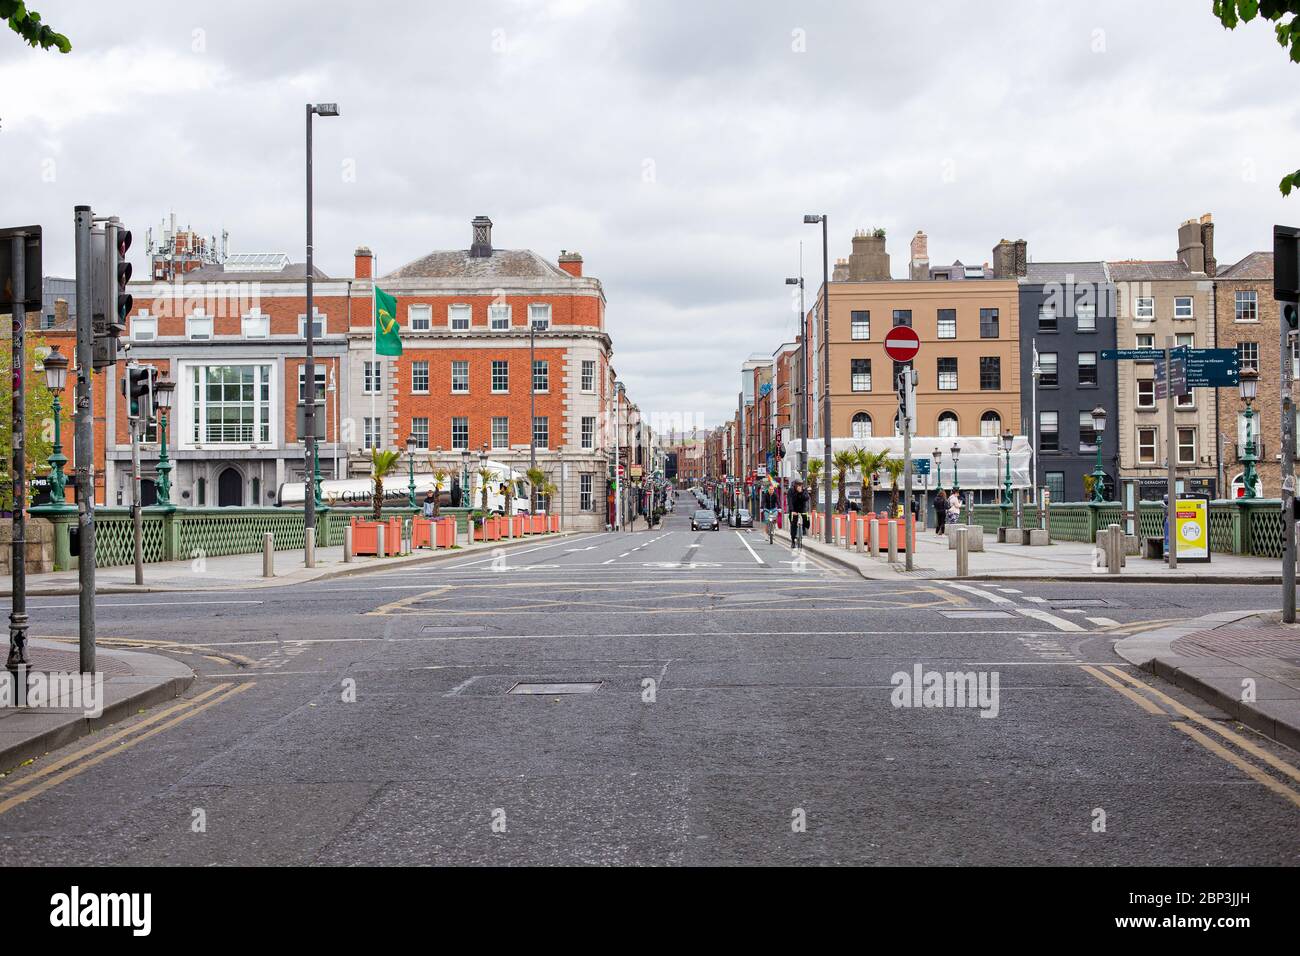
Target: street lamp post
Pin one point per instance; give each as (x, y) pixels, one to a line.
(311, 466)
(956, 453)
(1099, 473)
(56, 376)
(482, 466)
(801, 421)
(1007, 439)
(464, 478)
(164, 392)
(1249, 384)
(410, 473)
(937, 455)
(826, 365)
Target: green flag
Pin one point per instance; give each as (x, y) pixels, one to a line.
(387, 339)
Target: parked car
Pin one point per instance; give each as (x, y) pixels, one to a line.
(743, 519)
(704, 520)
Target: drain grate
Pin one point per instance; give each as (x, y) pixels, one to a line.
(581, 687)
(975, 615)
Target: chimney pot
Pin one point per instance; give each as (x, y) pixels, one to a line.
(571, 262)
(481, 247)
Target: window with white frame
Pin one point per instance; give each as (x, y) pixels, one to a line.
(861, 426)
(460, 376)
(1187, 446)
(419, 437)
(1087, 369)
(585, 498)
(588, 432)
(1144, 307)
(1146, 393)
(1087, 432)
(419, 318)
(498, 317)
(198, 327)
(588, 375)
(1148, 441)
(370, 381)
(420, 376)
(144, 327)
(256, 325)
(947, 324)
(370, 432)
(1047, 368)
(1047, 318)
(1086, 317)
(500, 375)
(1183, 307)
(317, 324)
(1187, 339)
(947, 368)
(458, 317)
(1048, 427)
(1245, 306)
(459, 433)
(1248, 355)
(948, 425)
(860, 374)
(321, 376)
(500, 431)
(859, 325)
(541, 375)
(541, 431)
(231, 404)
(990, 425)
(539, 316)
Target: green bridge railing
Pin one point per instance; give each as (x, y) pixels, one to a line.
(1237, 526)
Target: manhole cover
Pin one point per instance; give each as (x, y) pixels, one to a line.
(975, 615)
(585, 687)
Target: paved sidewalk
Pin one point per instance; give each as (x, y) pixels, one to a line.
(1220, 656)
(132, 680)
(1059, 561)
(245, 570)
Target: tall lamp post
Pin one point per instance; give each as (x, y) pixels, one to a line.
(311, 502)
(956, 453)
(1099, 473)
(826, 365)
(1007, 439)
(937, 455)
(1249, 384)
(164, 391)
(464, 478)
(410, 472)
(801, 421)
(482, 466)
(56, 377)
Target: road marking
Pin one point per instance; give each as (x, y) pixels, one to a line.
(188, 710)
(1103, 622)
(610, 561)
(749, 549)
(101, 606)
(1060, 623)
(1144, 703)
(1036, 600)
(515, 554)
(987, 595)
(1250, 770)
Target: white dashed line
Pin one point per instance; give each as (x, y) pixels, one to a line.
(1060, 623)
(1103, 622)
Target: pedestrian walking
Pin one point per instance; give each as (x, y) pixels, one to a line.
(428, 505)
(940, 511)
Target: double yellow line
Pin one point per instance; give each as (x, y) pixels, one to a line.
(17, 792)
(1108, 674)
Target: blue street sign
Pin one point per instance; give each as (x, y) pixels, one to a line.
(920, 466)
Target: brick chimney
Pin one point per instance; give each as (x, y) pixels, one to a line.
(1009, 259)
(918, 267)
(60, 313)
(1207, 240)
(1191, 250)
(868, 261)
(840, 272)
(571, 262)
(481, 248)
(365, 260)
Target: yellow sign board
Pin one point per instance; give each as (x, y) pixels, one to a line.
(1192, 529)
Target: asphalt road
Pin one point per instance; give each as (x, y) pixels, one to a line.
(743, 711)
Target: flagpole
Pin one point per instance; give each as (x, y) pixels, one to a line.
(374, 334)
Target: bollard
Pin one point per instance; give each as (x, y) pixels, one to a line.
(891, 532)
(963, 553)
(1114, 548)
(862, 534)
(309, 547)
(268, 555)
(379, 543)
(875, 537)
(347, 544)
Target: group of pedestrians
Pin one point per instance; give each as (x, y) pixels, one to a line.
(947, 508)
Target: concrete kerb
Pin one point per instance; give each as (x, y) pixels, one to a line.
(319, 573)
(1153, 652)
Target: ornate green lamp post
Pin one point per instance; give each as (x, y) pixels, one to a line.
(938, 468)
(1007, 440)
(56, 376)
(1249, 384)
(164, 390)
(956, 452)
(410, 473)
(1099, 473)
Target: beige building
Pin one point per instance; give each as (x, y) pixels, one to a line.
(1157, 299)
(967, 319)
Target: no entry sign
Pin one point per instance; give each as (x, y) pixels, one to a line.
(902, 343)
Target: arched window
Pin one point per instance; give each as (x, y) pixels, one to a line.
(948, 425)
(990, 425)
(861, 425)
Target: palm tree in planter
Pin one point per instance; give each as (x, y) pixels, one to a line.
(536, 479)
(869, 462)
(894, 469)
(484, 479)
(814, 480)
(382, 464)
(843, 461)
(439, 479)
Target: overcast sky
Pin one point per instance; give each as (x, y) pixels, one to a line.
(676, 145)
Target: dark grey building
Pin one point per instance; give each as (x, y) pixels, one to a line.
(1067, 317)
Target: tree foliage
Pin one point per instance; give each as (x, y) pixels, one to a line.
(1285, 17)
(382, 464)
(39, 413)
(27, 24)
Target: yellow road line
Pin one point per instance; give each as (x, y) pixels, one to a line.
(101, 743)
(54, 781)
(1251, 748)
(1250, 770)
(1131, 694)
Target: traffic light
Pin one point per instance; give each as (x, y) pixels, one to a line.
(138, 389)
(1286, 265)
(110, 303)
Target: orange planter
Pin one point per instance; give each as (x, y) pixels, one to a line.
(422, 533)
(365, 536)
(555, 523)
